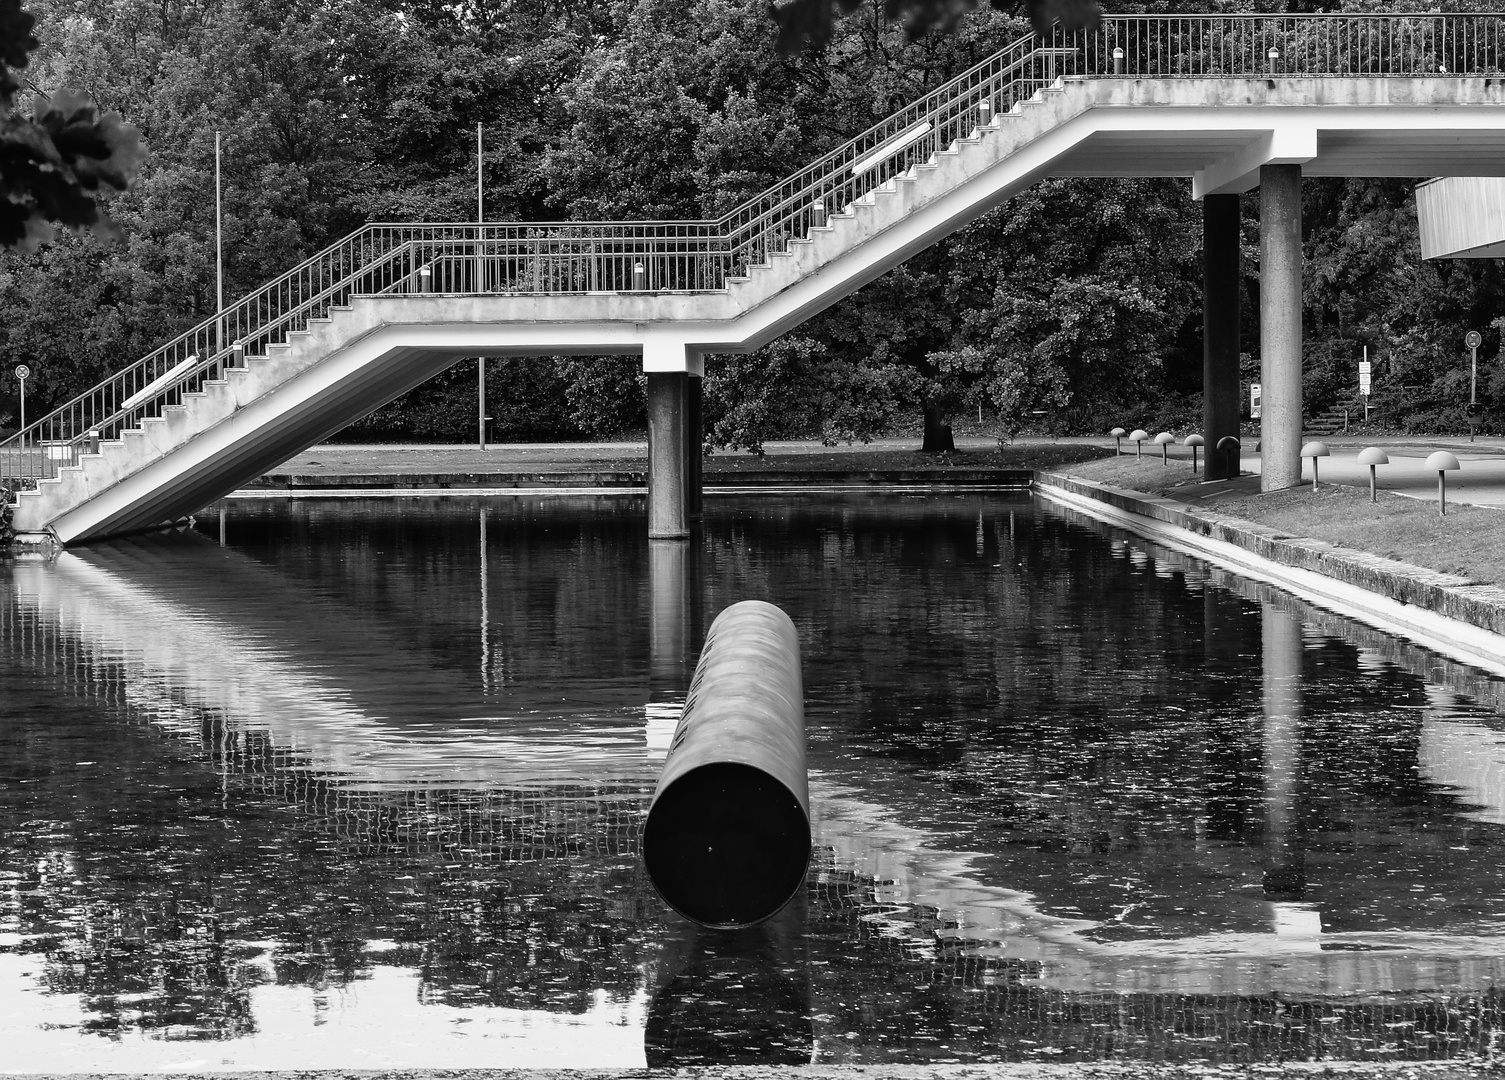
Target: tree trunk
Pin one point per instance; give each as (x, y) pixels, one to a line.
(938, 438)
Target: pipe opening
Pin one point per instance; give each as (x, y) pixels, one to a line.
(726, 844)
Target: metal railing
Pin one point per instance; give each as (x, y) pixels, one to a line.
(1323, 46)
(659, 256)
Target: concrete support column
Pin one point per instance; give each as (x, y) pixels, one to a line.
(1221, 398)
(1280, 325)
(668, 459)
(695, 443)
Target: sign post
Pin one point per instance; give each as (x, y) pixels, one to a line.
(22, 374)
(1365, 384)
(1473, 340)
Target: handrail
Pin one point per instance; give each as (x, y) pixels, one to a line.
(699, 255)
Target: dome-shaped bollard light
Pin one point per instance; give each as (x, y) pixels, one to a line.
(1444, 463)
(1372, 456)
(1137, 437)
(727, 840)
(1118, 434)
(1194, 441)
(1315, 450)
(1228, 446)
(1164, 440)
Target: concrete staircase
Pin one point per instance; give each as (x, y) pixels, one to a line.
(1336, 420)
(298, 392)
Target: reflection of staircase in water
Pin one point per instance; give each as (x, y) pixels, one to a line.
(925, 904)
(909, 920)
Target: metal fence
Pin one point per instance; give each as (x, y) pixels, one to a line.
(693, 256)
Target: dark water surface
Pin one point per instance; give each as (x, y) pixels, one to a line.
(363, 789)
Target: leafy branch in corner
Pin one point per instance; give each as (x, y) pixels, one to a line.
(809, 23)
(55, 163)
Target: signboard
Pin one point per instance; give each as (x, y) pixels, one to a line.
(1364, 383)
(1473, 340)
(23, 372)
(1254, 401)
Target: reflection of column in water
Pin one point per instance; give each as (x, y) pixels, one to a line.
(668, 639)
(739, 997)
(1285, 872)
(485, 611)
(668, 635)
(222, 526)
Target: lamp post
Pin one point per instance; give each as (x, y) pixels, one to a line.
(219, 257)
(1372, 456)
(1194, 441)
(1164, 440)
(1315, 450)
(1444, 463)
(1228, 446)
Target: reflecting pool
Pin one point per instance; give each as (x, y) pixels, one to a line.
(358, 784)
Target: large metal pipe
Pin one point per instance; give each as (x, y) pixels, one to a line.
(727, 840)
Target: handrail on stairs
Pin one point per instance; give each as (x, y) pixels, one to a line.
(699, 255)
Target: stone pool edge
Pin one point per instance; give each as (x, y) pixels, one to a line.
(1446, 613)
(1128, 1070)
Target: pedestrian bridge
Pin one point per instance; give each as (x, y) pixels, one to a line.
(1230, 102)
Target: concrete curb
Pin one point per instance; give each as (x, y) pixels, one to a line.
(1447, 613)
(637, 478)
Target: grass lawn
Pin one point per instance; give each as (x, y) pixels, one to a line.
(1469, 541)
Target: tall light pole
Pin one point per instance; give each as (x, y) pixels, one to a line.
(480, 284)
(219, 257)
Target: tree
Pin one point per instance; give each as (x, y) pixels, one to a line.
(811, 23)
(1072, 295)
(56, 163)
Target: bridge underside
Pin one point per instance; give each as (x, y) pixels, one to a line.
(1227, 136)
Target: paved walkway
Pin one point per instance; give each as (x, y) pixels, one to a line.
(339, 459)
(1480, 481)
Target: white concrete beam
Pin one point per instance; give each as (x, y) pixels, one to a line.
(1291, 143)
(666, 353)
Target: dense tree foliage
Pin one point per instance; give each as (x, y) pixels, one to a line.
(55, 161)
(1073, 305)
